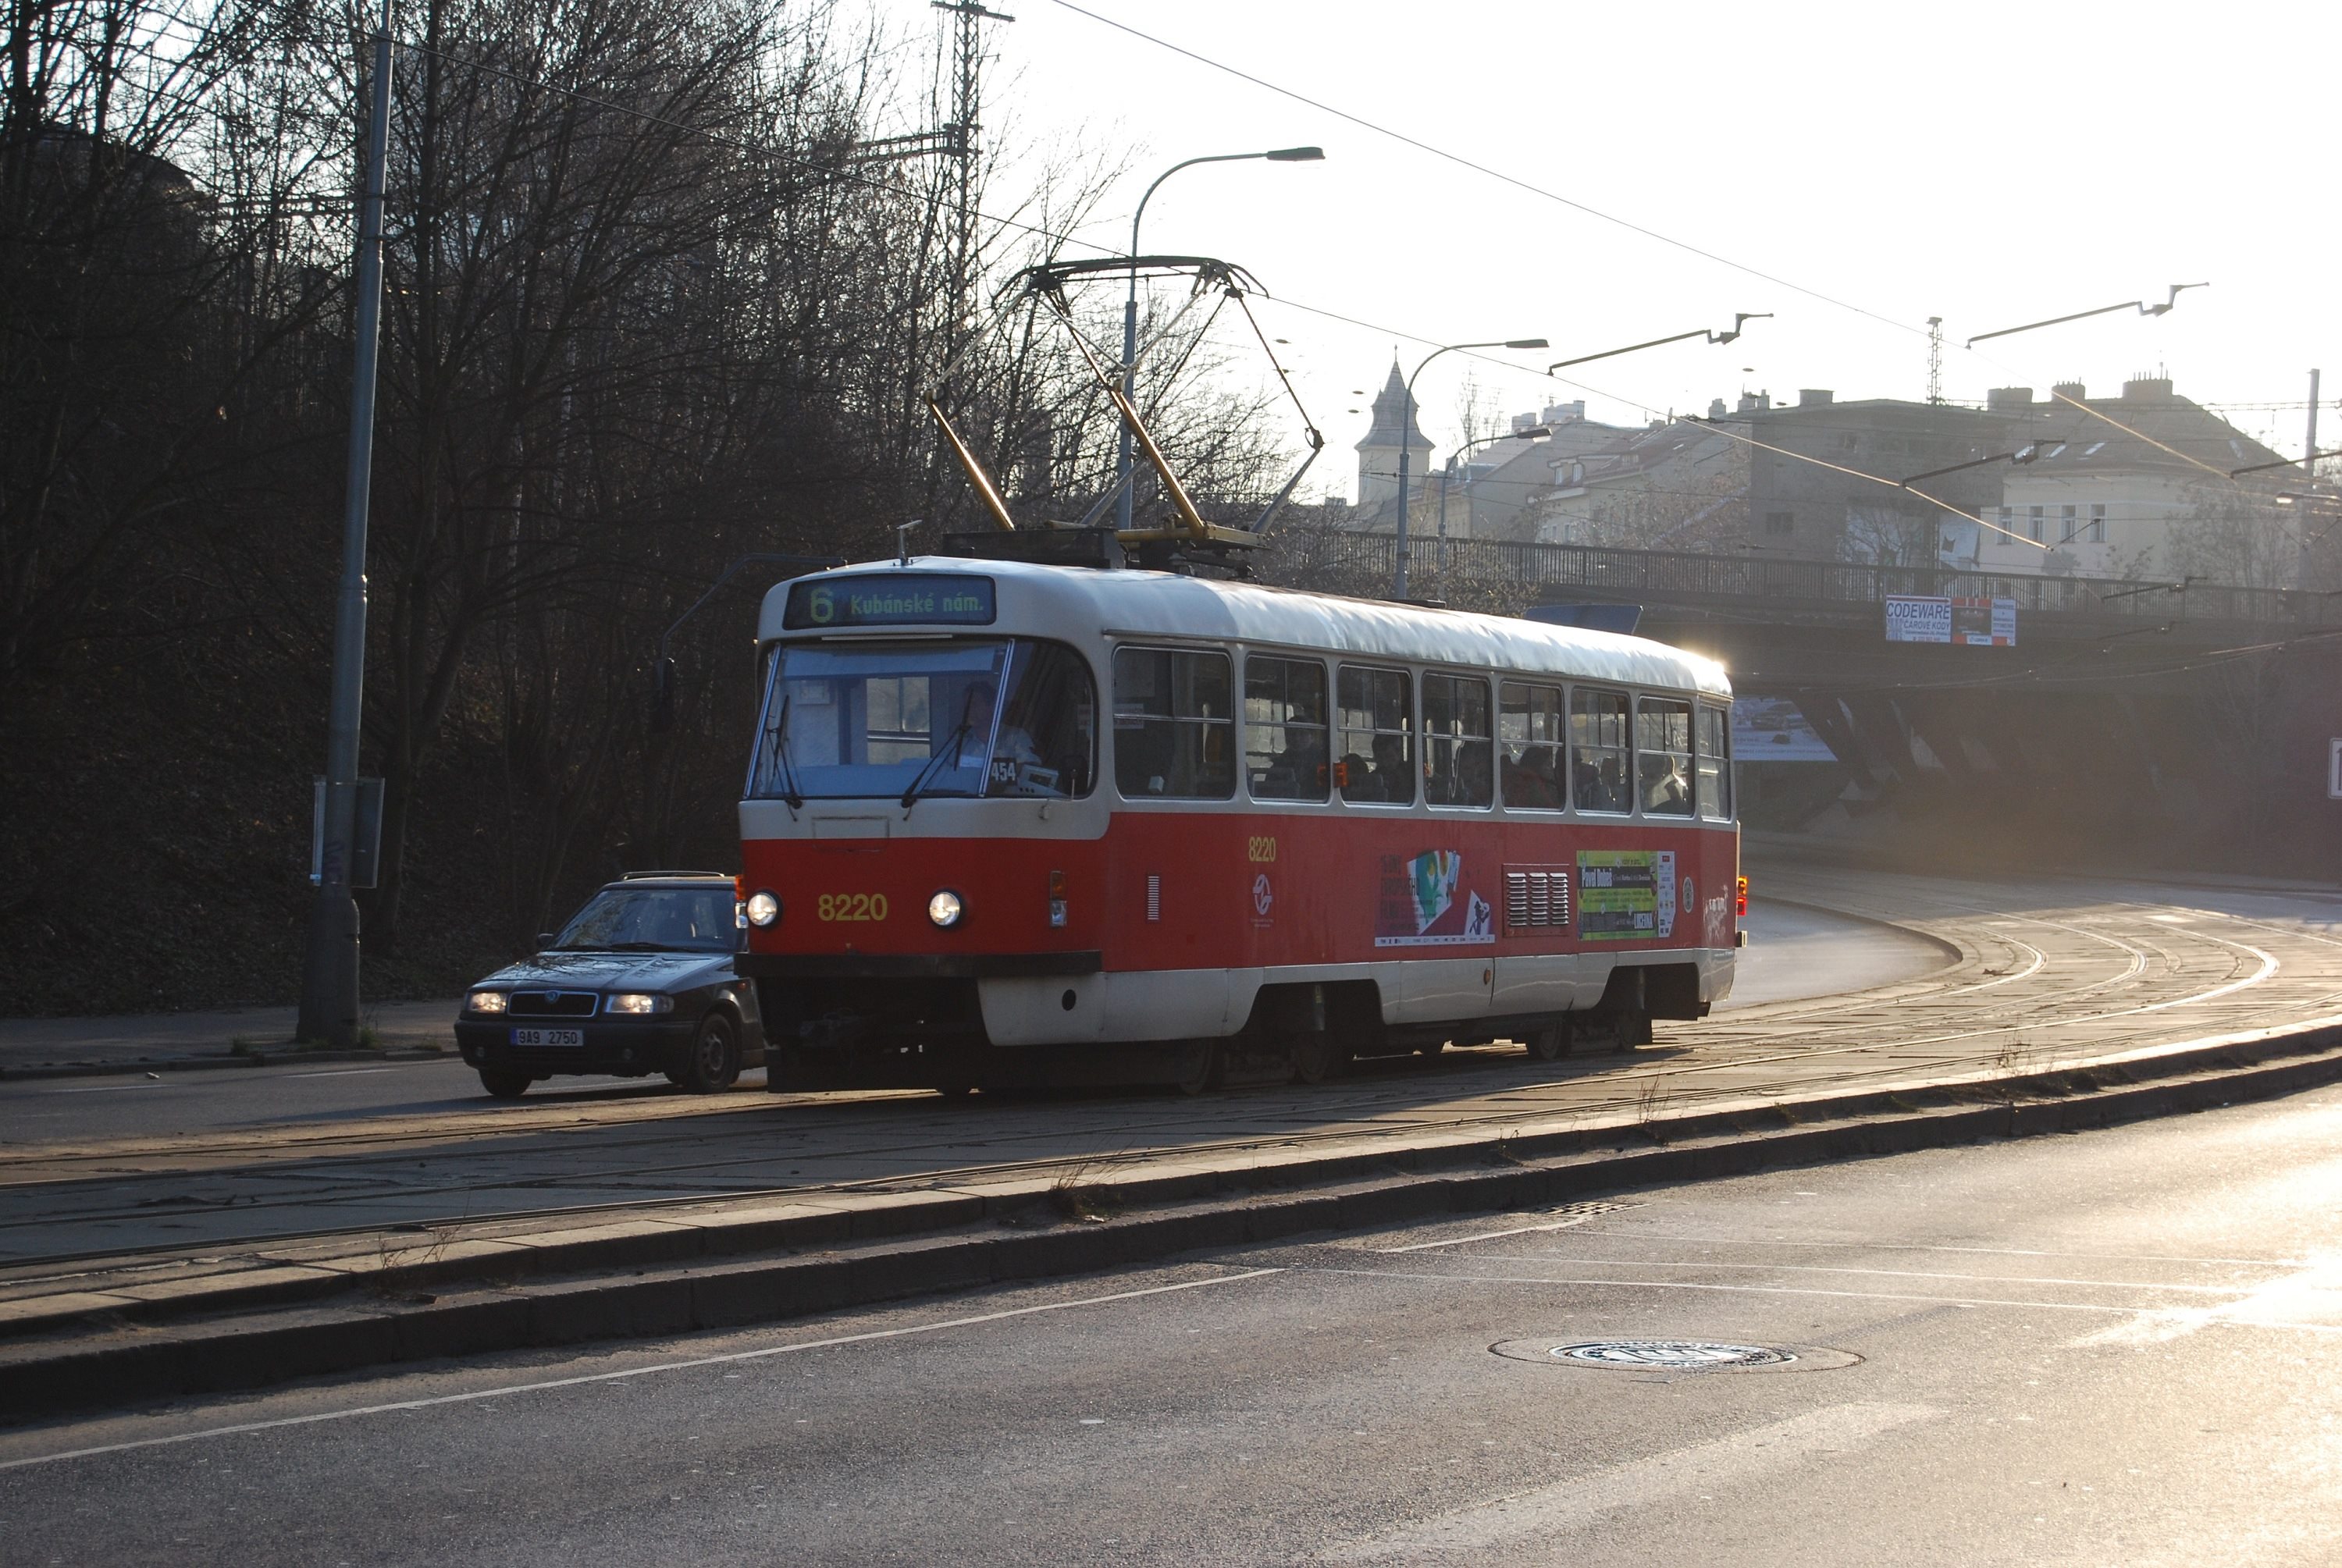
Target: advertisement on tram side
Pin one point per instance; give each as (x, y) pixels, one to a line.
(1627, 894)
(1428, 901)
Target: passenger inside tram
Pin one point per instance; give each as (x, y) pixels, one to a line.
(1530, 780)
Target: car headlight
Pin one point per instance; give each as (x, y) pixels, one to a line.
(487, 1001)
(764, 907)
(946, 908)
(640, 1002)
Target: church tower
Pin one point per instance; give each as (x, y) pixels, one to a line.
(1378, 453)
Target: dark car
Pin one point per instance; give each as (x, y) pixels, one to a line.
(640, 981)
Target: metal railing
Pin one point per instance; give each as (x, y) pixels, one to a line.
(1644, 574)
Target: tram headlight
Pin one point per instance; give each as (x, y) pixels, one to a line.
(764, 908)
(487, 1001)
(946, 908)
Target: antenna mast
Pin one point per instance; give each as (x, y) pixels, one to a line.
(1935, 359)
(967, 91)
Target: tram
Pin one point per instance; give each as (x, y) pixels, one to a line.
(1008, 820)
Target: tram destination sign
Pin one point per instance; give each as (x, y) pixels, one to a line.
(892, 599)
(1968, 623)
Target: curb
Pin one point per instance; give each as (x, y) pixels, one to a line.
(282, 1056)
(114, 1362)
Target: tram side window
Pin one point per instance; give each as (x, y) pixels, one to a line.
(1663, 756)
(1715, 764)
(1173, 725)
(1377, 724)
(1599, 753)
(1457, 753)
(1529, 728)
(1285, 728)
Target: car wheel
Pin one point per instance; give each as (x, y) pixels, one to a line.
(505, 1082)
(715, 1056)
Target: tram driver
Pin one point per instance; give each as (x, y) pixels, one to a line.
(1013, 762)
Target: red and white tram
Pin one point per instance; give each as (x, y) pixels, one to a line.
(1007, 821)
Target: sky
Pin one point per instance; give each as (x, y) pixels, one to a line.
(1990, 164)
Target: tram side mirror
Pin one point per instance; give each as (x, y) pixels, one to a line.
(662, 696)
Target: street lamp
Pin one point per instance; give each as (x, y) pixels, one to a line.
(1739, 323)
(1534, 434)
(1122, 475)
(2143, 307)
(1406, 423)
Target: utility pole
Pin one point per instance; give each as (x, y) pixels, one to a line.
(967, 91)
(1935, 359)
(2309, 473)
(329, 984)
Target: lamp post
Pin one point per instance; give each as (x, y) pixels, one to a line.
(1406, 423)
(1533, 435)
(329, 980)
(1122, 476)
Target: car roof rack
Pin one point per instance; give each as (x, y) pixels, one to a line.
(648, 875)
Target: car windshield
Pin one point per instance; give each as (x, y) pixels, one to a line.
(683, 919)
(963, 716)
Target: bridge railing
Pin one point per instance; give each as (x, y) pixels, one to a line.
(1609, 573)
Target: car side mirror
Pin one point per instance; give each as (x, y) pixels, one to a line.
(544, 940)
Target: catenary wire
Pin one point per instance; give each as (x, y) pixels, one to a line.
(1498, 175)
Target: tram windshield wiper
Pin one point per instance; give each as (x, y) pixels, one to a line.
(781, 753)
(949, 748)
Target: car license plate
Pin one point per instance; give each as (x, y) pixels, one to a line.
(548, 1037)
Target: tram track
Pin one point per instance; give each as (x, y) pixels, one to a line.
(63, 1207)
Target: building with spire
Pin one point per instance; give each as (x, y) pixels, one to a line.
(1394, 429)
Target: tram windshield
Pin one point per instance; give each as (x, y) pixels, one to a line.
(962, 717)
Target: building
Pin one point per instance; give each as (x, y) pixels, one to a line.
(1394, 428)
(1676, 484)
(1848, 502)
(2139, 488)
(1493, 492)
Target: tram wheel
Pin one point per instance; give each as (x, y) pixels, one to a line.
(1204, 1069)
(1550, 1044)
(1316, 1057)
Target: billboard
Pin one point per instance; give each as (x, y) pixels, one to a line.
(1969, 622)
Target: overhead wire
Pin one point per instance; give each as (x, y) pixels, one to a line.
(1462, 162)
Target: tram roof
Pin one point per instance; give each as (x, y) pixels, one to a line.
(1166, 605)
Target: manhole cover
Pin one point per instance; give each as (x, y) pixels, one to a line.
(1674, 1356)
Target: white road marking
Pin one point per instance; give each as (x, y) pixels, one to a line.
(1867, 1244)
(109, 1088)
(340, 1072)
(1780, 1291)
(1724, 1465)
(1585, 1262)
(1499, 1236)
(730, 1359)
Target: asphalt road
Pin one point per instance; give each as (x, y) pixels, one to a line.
(2049, 973)
(1795, 952)
(2116, 1347)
